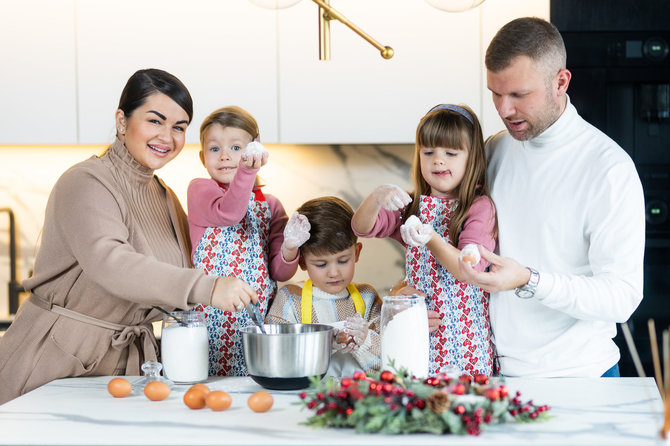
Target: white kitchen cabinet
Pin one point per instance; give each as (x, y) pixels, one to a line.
(224, 52)
(359, 97)
(37, 74)
(65, 62)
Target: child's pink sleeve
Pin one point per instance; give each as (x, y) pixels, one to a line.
(280, 269)
(386, 225)
(209, 205)
(478, 228)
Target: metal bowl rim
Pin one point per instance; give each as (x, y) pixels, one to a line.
(253, 330)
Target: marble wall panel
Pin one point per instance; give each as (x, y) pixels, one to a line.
(294, 174)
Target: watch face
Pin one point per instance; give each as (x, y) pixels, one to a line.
(523, 294)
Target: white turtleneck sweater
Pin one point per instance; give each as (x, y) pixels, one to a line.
(570, 205)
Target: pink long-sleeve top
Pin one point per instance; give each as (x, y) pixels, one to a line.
(477, 228)
(214, 205)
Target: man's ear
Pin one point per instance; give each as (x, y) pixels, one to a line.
(562, 81)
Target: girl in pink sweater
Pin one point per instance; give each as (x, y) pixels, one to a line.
(237, 230)
(449, 209)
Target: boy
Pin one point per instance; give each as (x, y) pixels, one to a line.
(329, 297)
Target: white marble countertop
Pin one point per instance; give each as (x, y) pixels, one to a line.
(598, 411)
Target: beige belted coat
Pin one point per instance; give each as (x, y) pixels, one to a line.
(115, 242)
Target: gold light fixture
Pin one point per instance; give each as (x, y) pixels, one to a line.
(328, 13)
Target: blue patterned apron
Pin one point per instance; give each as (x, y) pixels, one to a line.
(463, 338)
(240, 251)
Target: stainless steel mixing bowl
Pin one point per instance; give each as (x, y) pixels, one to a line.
(288, 354)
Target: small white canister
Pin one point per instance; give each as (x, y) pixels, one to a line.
(185, 346)
(404, 331)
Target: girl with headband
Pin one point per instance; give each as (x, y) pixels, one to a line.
(449, 209)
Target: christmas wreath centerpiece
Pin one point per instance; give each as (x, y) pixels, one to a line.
(394, 403)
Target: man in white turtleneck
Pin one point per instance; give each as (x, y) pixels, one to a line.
(571, 217)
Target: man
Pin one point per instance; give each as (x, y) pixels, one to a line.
(570, 212)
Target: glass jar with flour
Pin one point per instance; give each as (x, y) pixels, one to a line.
(185, 346)
(404, 332)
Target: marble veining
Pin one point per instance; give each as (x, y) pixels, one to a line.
(584, 411)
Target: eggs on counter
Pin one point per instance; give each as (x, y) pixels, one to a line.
(119, 387)
(198, 396)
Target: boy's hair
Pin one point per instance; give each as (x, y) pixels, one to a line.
(527, 36)
(446, 128)
(231, 116)
(330, 221)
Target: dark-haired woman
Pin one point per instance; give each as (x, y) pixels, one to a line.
(114, 244)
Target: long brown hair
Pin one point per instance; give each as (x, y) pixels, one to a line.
(452, 129)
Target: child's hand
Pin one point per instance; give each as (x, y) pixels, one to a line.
(296, 232)
(414, 233)
(434, 320)
(255, 155)
(357, 328)
(391, 197)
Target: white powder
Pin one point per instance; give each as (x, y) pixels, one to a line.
(405, 341)
(185, 353)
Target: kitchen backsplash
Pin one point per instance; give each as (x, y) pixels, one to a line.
(293, 174)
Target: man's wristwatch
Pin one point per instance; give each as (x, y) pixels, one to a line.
(528, 290)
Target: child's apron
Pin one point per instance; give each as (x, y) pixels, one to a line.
(240, 251)
(463, 338)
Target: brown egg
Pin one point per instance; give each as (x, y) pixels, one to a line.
(195, 398)
(200, 386)
(260, 401)
(119, 387)
(156, 390)
(218, 400)
(343, 338)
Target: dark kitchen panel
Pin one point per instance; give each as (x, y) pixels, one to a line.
(610, 15)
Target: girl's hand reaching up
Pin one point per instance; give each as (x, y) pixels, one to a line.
(414, 233)
(296, 233)
(391, 197)
(255, 155)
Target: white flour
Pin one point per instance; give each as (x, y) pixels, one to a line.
(185, 353)
(405, 341)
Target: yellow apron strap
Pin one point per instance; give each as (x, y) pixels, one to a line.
(306, 303)
(358, 299)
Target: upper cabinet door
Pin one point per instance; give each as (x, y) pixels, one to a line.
(359, 97)
(225, 52)
(38, 84)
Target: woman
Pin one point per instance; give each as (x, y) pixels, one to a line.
(114, 244)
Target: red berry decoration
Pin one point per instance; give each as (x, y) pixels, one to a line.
(492, 394)
(391, 403)
(458, 389)
(359, 375)
(387, 376)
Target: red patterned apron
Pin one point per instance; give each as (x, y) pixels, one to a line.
(463, 339)
(240, 251)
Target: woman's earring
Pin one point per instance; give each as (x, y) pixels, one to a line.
(121, 130)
